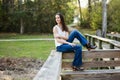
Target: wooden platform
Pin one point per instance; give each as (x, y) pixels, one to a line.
(95, 68)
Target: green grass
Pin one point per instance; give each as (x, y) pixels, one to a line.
(25, 36)
(32, 49)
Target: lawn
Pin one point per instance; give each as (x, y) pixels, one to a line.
(32, 49)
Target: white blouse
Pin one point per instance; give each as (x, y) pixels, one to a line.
(61, 33)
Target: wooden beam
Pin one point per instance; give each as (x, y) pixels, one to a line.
(91, 75)
(93, 64)
(90, 58)
(85, 72)
(51, 68)
(95, 54)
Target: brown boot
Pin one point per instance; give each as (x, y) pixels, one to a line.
(77, 68)
(89, 46)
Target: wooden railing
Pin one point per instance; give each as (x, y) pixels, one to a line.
(114, 36)
(92, 39)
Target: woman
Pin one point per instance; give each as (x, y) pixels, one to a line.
(63, 41)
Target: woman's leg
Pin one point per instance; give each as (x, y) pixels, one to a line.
(78, 53)
(78, 56)
(76, 34)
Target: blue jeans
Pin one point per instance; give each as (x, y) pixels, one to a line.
(77, 49)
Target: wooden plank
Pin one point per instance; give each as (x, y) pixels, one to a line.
(115, 43)
(91, 75)
(102, 54)
(95, 54)
(93, 64)
(99, 38)
(51, 68)
(111, 71)
(114, 35)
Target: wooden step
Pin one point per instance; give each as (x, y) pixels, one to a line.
(93, 59)
(91, 75)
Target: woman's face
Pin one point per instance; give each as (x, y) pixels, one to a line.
(57, 18)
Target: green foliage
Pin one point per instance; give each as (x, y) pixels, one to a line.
(96, 18)
(0, 15)
(95, 21)
(113, 16)
(37, 15)
(84, 22)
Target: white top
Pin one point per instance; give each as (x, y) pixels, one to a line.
(61, 33)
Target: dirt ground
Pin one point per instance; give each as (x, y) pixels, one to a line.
(19, 68)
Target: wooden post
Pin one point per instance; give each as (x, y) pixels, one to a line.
(86, 36)
(89, 39)
(115, 38)
(109, 37)
(112, 59)
(111, 46)
(100, 44)
(93, 41)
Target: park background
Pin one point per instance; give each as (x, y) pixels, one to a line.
(34, 19)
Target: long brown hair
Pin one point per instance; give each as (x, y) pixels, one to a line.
(64, 27)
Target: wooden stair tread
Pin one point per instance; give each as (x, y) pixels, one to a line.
(91, 72)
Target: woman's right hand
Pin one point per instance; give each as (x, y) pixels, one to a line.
(72, 44)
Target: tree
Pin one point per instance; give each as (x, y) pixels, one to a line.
(80, 10)
(89, 10)
(104, 21)
(92, 15)
(113, 16)
(33, 16)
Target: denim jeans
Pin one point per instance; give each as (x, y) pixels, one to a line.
(77, 61)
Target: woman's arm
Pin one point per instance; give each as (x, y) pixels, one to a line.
(66, 36)
(56, 35)
(61, 39)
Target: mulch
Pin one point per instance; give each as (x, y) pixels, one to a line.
(19, 68)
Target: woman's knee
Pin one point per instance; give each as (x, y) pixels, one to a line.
(75, 31)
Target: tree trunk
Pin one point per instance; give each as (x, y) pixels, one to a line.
(80, 10)
(21, 26)
(104, 18)
(89, 10)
